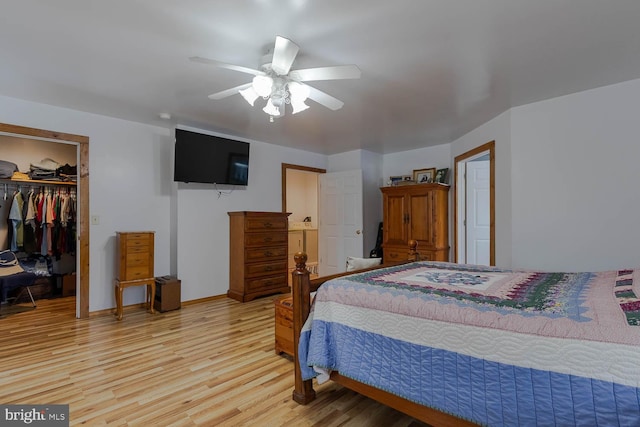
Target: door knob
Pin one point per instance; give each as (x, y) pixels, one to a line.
(358, 231)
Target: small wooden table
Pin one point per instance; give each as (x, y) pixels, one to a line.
(135, 266)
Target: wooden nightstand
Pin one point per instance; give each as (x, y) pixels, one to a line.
(284, 325)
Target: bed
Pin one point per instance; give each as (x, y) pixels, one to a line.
(462, 344)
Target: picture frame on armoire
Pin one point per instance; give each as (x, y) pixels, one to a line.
(393, 180)
(441, 176)
(423, 176)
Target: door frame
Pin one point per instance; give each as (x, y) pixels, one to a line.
(82, 300)
(285, 167)
(460, 186)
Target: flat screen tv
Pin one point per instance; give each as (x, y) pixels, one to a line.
(210, 159)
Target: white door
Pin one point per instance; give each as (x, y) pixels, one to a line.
(340, 220)
(478, 212)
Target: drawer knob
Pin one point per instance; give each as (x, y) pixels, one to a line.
(268, 253)
(268, 225)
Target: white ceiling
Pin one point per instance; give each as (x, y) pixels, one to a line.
(432, 70)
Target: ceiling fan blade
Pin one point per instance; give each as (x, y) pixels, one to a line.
(325, 99)
(283, 55)
(326, 73)
(228, 92)
(225, 65)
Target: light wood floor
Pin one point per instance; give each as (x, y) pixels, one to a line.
(208, 364)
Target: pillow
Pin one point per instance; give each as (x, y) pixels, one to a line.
(354, 263)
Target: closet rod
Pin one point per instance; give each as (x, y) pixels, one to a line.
(22, 186)
(39, 182)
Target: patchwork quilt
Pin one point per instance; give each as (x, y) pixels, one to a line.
(493, 346)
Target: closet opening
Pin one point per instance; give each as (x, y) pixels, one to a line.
(52, 239)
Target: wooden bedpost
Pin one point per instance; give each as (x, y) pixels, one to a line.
(413, 251)
(303, 392)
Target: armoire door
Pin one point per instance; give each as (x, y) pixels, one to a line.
(396, 219)
(421, 218)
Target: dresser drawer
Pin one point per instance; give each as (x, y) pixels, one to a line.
(268, 253)
(145, 249)
(395, 255)
(400, 255)
(266, 268)
(266, 223)
(137, 259)
(264, 239)
(141, 239)
(265, 283)
(141, 272)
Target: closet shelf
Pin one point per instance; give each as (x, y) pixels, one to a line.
(37, 181)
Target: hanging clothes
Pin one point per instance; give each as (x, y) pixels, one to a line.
(49, 218)
(30, 228)
(44, 243)
(42, 221)
(71, 227)
(17, 225)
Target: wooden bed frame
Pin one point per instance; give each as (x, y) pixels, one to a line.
(303, 393)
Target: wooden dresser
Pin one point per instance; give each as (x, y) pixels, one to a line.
(415, 212)
(258, 254)
(135, 265)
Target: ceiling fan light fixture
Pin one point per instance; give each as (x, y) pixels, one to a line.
(298, 91)
(271, 109)
(279, 85)
(249, 94)
(262, 85)
(298, 105)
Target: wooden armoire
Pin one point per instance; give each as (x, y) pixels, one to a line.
(415, 212)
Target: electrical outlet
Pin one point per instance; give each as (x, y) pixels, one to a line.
(95, 220)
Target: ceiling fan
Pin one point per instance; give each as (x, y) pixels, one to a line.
(280, 85)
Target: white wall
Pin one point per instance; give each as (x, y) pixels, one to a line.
(129, 181)
(498, 130)
(203, 223)
(405, 162)
(575, 180)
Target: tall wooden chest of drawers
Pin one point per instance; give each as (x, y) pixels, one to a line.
(258, 254)
(135, 265)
